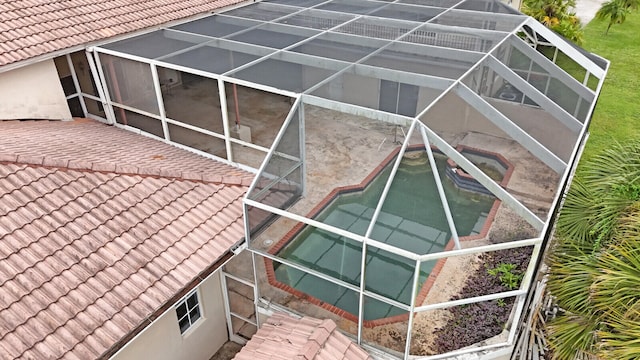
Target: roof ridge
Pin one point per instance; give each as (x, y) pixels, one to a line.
(52, 162)
(301, 338)
(317, 339)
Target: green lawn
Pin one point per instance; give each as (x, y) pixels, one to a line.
(617, 115)
(591, 217)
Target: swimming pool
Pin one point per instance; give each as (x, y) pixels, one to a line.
(412, 218)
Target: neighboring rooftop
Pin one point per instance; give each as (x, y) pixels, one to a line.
(287, 338)
(29, 28)
(102, 230)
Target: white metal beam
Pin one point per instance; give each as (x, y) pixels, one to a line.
(436, 51)
(412, 305)
(466, 350)
(528, 277)
(534, 94)
(443, 197)
(311, 60)
(481, 249)
(230, 45)
(471, 300)
(511, 129)
(333, 229)
(483, 34)
(357, 110)
(428, 81)
(569, 50)
(553, 69)
(485, 180)
(160, 102)
(276, 141)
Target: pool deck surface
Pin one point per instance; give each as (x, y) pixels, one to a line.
(342, 151)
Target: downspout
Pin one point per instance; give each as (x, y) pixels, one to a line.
(235, 102)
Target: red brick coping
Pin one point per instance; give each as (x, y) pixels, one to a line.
(426, 287)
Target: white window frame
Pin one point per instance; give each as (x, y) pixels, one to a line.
(191, 311)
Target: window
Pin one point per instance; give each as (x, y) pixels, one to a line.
(188, 311)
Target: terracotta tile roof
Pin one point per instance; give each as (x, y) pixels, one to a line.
(89, 145)
(30, 28)
(88, 257)
(287, 338)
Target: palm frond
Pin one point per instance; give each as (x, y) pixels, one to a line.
(616, 286)
(594, 269)
(572, 336)
(620, 338)
(607, 186)
(577, 214)
(571, 273)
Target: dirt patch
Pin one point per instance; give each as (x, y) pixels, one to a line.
(227, 351)
(509, 226)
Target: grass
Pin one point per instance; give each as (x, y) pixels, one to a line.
(617, 115)
(577, 270)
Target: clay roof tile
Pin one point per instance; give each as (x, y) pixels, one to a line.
(82, 261)
(77, 22)
(307, 338)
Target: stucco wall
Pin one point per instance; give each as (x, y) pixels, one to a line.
(162, 340)
(538, 123)
(454, 116)
(33, 92)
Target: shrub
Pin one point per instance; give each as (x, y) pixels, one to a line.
(508, 278)
(558, 15)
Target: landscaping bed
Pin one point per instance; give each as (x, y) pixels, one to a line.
(472, 323)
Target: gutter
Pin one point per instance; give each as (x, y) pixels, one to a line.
(121, 344)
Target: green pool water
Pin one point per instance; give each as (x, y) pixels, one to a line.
(412, 218)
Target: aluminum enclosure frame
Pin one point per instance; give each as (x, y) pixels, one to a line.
(449, 39)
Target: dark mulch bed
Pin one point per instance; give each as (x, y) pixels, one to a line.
(472, 323)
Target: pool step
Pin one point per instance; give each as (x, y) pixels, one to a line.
(482, 219)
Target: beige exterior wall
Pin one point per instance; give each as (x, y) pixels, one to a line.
(162, 339)
(453, 115)
(33, 92)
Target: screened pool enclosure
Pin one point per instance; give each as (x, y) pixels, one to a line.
(396, 145)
